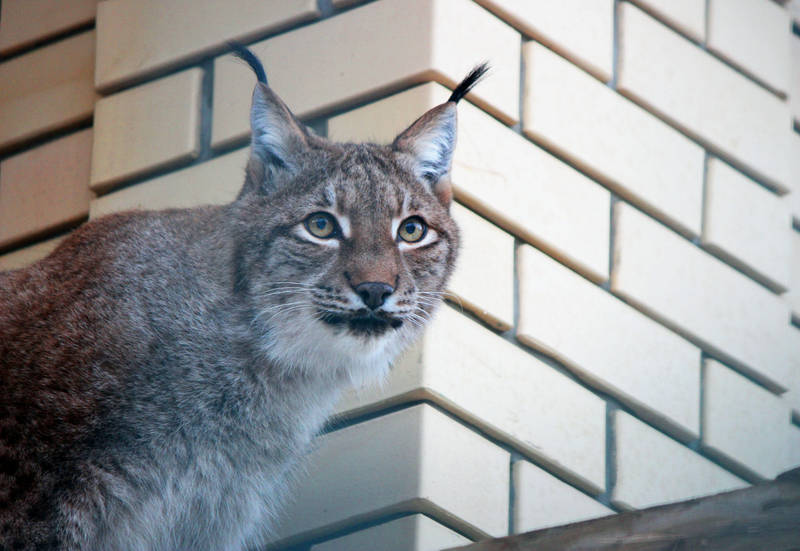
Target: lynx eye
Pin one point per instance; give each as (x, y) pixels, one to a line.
(412, 229)
(322, 225)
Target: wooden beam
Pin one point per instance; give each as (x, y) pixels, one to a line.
(762, 517)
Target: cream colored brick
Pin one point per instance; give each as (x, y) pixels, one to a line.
(646, 161)
(504, 390)
(541, 500)
(46, 89)
(747, 226)
(581, 30)
(414, 460)
(22, 258)
(503, 176)
(28, 21)
(185, 30)
(45, 188)
(608, 343)
(652, 469)
(723, 311)
(356, 55)
(745, 422)
(484, 277)
(754, 35)
(689, 16)
(704, 96)
(411, 533)
(145, 128)
(214, 182)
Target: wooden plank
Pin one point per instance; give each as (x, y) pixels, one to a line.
(766, 516)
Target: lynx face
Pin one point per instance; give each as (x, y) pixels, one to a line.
(358, 261)
(355, 241)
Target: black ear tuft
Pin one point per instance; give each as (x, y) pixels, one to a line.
(243, 53)
(474, 76)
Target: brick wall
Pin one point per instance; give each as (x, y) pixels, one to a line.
(624, 327)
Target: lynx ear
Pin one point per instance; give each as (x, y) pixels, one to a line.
(431, 139)
(278, 137)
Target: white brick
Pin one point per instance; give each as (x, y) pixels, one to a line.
(581, 30)
(185, 30)
(704, 96)
(745, 422)
(216, 182)
(689, 16)
(353, 56)
(652, 469)
(754, 35)
(144, 128)
(747, 225)
(541, 500)
(484, 277)
(22, 258)
(717, 307)
(411, 533)
(647, 161)
(413, 460)
(504, 177)
(608, 343)
(504, 390)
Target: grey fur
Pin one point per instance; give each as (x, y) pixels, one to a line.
(164, 373)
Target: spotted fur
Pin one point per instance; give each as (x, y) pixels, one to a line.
(162, 374)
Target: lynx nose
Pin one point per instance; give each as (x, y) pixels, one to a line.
(373, 293)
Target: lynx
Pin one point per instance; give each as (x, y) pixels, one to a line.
(162, 374)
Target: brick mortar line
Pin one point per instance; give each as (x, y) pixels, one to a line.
(614, 46)
(37, 44)
(512, 492)
(702, 408)
(206, 107)
(46, 137)
(611, 456)
(61, 230)
(704, 200)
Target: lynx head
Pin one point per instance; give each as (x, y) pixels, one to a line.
(345, 249)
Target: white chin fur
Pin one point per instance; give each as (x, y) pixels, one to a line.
(313, 347)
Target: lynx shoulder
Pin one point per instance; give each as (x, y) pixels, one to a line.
(163, 373)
